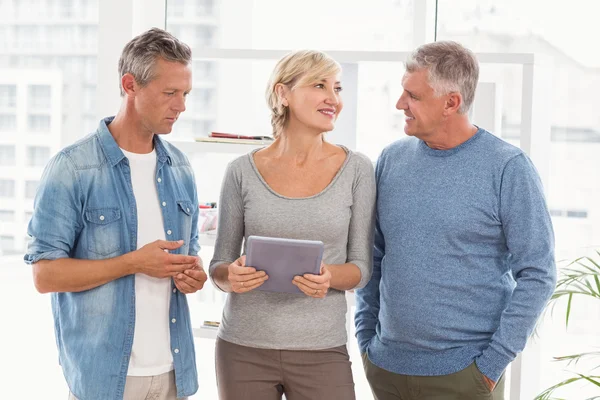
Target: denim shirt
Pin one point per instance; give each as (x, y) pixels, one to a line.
(85, 209)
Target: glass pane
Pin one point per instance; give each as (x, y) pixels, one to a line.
(30, 189)
(8, 122)
(7, 156)
(270, 24)
(7, 243)
(7, 188)
(573, 182)
(48, 55)
(38, 123)
(37, 156)
(39, 97)
(8, 96)
(48, 73)
(232, 101)
(7, 215)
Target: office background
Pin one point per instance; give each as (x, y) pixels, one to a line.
(540, 77)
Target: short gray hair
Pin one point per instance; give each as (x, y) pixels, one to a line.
(140, 54)
(451, 67)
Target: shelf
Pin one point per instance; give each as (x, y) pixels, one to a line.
(207, 239)
(193, 147)
(205, 333)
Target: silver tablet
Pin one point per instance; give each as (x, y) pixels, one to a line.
(282, 260)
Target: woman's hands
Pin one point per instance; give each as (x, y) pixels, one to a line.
(314, 285)
(243, 279)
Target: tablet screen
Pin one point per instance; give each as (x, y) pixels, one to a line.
(282, 260)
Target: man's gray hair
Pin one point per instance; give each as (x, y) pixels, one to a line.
(452, 68)
(140, 54)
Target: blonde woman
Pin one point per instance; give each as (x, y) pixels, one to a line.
(299, 187)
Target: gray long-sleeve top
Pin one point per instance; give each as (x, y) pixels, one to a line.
(341, 216)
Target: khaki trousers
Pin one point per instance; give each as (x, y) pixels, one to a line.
(159, 387)
(467, 384)
(247, 373)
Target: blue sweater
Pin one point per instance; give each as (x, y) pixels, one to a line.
(463, 258)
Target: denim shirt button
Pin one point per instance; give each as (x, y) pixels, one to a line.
(102, 218)
(173, 320)
(169, 232)
(176, 351)
(164, 203)
(159, 180)
(174, 290)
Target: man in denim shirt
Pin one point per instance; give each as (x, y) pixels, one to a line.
(115, 239)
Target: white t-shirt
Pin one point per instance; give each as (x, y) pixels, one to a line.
(151, 352)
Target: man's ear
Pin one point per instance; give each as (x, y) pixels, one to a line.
(128, 84)
(453, 103)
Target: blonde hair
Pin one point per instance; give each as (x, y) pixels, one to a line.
(452, 68)
(296, 69)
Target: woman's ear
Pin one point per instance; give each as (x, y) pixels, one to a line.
(281, 91)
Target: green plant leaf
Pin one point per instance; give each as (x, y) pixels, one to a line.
(568, 310)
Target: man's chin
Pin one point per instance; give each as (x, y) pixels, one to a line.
(164, 131)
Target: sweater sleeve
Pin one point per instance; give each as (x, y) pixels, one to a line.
(530, 240)
(230, 229)
(360, 231)
(367, 298)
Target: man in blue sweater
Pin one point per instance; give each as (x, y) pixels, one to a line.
(463, 260)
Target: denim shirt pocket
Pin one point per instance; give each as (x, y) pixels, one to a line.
(104, 236)
(184, 216)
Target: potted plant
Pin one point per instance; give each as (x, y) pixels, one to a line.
(579, 279)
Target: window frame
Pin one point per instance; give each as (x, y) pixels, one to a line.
(120, 20)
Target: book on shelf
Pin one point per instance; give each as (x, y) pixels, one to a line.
(219, 137)
(238, 141)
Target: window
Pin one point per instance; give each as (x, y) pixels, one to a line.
(203, 70)
(204, 7)
(90, 69)
(39, 123)
(67, 9)
(176, 8)
(89, 99)
(3, 39)
(30, 189)
(40, 40)
(7, 243)
(7, 155)
(7, 188)
(28, 36)
(7, 215)
(383, 25)
(37, 156)
(8, 96)
(90, 123)
(573, 168)
(8, 122)
(39, 97)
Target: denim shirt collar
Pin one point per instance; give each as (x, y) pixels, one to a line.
(114, 153)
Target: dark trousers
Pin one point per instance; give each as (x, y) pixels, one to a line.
(247, 373)
(467, 384)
